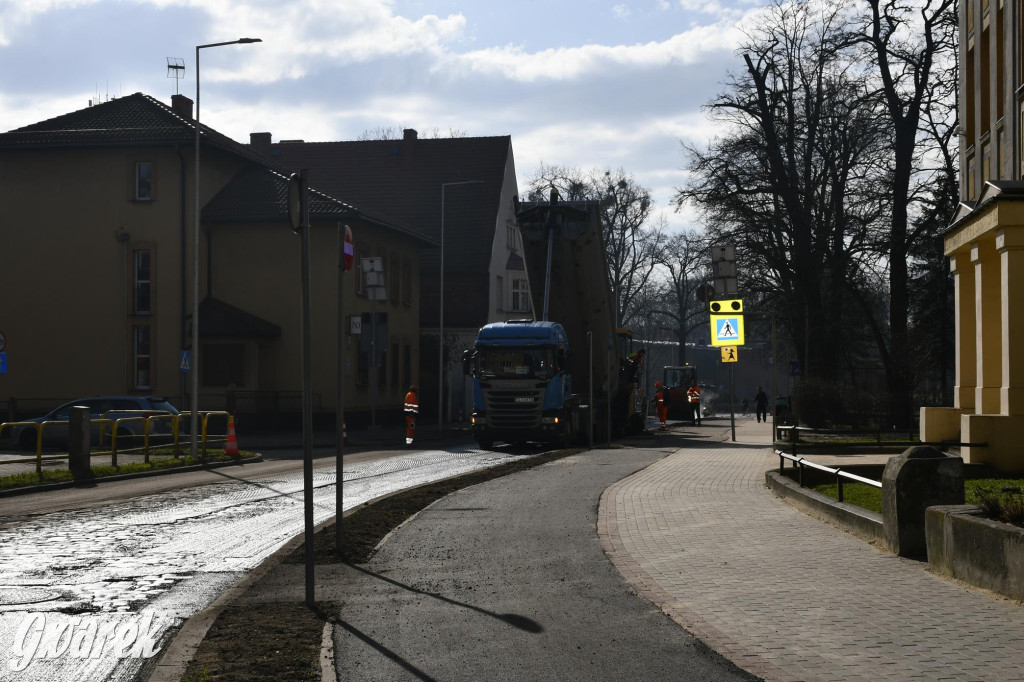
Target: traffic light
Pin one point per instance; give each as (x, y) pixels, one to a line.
(726, 307)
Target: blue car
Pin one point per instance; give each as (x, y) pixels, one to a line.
(111, 407)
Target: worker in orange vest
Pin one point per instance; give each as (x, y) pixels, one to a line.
(412, 409)
(661, 405)
(693, 395)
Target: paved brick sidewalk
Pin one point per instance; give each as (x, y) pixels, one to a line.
(788, 597)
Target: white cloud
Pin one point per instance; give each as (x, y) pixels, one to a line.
(572, 63)
(621, 12)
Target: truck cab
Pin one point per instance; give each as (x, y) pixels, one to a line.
(521, 388)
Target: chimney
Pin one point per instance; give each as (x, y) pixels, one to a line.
(182, 106)
(260, 143)
(409, 135)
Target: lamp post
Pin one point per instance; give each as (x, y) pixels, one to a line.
(440, 327)
(194, 417)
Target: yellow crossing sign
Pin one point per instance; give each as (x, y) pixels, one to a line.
(726, 330)
(730, 354)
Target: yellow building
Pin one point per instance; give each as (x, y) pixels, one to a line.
(97, 243)
(985, 243)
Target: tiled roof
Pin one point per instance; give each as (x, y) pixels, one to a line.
(261, 195)
(135, 120)
(403, 179)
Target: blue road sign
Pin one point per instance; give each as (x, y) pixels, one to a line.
(3, 363)
(186, 361)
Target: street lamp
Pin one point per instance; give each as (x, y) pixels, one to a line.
(440, 327)
(194, 418)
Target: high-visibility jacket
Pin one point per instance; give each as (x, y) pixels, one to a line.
(659, 398)
(693, 393)
(412, 404)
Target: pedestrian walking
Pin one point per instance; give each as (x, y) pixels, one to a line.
(761, 404)
(693, 396)
(412, 410)
(661, 401)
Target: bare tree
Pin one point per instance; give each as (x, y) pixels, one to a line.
(397, 132)
(686, 264)
(631, 244)
(791, 181)
(904, 40)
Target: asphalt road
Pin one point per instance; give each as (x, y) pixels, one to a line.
(120, 565)
(507, 581)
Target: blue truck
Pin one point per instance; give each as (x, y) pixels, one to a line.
(565, 376)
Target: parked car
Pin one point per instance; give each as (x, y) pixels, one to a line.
(111, 407)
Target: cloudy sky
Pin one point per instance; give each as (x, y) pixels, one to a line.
(583, 83)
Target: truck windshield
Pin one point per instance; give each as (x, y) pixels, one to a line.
(516, 363)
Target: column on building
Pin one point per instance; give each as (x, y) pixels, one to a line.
(965, 316)
(1010, 247)
(988, 326)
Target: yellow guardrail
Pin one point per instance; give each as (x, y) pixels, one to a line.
(147, 417)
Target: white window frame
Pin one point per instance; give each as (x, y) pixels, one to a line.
(138, 281)
(138, 331)
(143, 190)
(520, 296)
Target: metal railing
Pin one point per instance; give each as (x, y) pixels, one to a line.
(800, 463)
(146, 417)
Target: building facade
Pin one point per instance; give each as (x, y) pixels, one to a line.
(985, 243)
(98, 234)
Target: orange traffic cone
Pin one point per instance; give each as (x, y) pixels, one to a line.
(231, 446)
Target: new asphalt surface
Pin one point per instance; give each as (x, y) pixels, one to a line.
(604, 565)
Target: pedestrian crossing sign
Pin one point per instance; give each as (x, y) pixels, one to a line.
(726, 330)
(730, 354)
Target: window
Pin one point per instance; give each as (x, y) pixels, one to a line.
(362, 368)
(360, 278)
(407, 282)
(499, 294)
(141, 354)
(510, 235)
(407, 365)
(223, 364)
(141, 281)
(394, 364)
(396, 273)
(520, 296)
(143, 181)
(970, 177)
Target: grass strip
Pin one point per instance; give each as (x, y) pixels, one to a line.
(999, 497)
(260, 640)
(31, 478)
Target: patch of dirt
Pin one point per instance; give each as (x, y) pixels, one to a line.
(281, 640)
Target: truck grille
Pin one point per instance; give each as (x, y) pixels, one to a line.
(517, 408)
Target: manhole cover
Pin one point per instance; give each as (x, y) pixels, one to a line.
(15, 596)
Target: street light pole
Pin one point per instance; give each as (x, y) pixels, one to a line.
(194, 417)
(440, 326)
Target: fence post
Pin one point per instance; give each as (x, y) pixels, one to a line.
(839, 484)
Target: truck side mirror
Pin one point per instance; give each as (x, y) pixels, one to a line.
(467, 361)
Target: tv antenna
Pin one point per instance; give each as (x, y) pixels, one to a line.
(175, 70)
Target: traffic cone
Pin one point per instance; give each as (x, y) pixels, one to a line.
(231, 446)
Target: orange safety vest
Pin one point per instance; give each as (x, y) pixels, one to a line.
(412, 404)
(693, 393)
